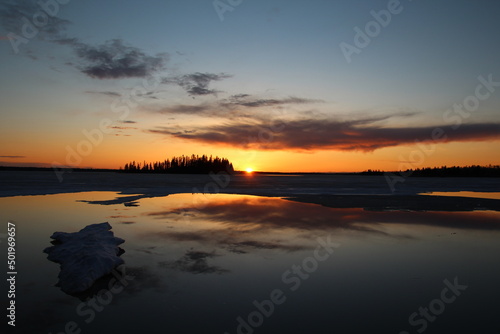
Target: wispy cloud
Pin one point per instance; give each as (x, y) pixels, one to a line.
(24, 164)
(247, 100)
(197, 83)
(105, 93)
(114, 60)
(14, 15)
(241, 105)
(122, 127)
(310, 134)
(12, 156)
(205, 108)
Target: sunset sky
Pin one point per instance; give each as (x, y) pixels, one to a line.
(275, 85)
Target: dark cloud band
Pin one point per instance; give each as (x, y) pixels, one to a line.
(197, 83)
(311, 134)
(114, 60)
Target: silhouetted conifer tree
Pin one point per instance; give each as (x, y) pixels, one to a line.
(193, 164)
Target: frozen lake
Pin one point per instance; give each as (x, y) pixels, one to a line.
(35, 183)
(221, 263)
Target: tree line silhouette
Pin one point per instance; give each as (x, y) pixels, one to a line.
(193, 164)
(444, 171)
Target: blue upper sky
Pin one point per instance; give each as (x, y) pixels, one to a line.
(264, 58)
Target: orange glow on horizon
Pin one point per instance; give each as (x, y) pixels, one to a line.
(114, 152)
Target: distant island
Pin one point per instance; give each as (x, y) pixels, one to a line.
(205, 165)
(193, 164)
(444, 171)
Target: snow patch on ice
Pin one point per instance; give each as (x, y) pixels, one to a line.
(85, 256)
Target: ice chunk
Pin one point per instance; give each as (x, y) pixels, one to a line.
(85, 256)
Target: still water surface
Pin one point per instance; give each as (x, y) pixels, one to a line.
(248, 264)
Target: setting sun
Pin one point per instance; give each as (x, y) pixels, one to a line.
(249, 170)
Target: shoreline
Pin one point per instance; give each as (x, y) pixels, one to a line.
(369, 192)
